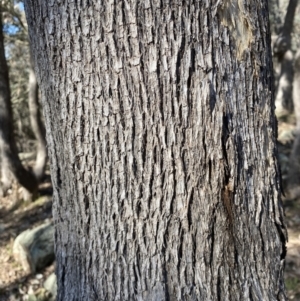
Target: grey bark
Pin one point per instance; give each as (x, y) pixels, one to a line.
(37, 125)
(161, 135)
(10, 162)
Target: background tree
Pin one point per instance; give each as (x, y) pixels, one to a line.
(283, 52)
(161, 134)
(286, 36)
(294, 168)
(17, 49)
(9, 155)
(37, 124)
(283, 42)
(274, 16)
(284, 55)
(31, 95)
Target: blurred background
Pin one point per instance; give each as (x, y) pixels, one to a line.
(26, 232)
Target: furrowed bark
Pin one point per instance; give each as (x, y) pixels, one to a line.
(161, 132)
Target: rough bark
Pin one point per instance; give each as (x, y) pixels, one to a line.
(37, 125)
(161, 135)
(10, 161)
(294, 166)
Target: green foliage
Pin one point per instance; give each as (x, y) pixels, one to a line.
(292, 283)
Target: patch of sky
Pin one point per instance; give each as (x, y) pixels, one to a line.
(10, 29)
(21, 6)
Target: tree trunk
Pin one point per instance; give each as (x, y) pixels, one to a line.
(9, 155)
(37, 125)
(275, 16)
(161, 133)
(284, 91)
(294, 164)
(284, 56)
(283, 42)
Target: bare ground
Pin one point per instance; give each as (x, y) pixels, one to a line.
(15, 217)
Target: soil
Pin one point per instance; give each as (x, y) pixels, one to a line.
(17, 216)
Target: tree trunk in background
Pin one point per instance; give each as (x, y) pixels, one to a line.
(161, 133)
(294, 168)
(284, 89)
(284, 56)
(10, 162)
(284, 40)
(275, 16)
(37, 125)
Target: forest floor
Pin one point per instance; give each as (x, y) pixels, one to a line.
(292, 212)
(16, 216)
